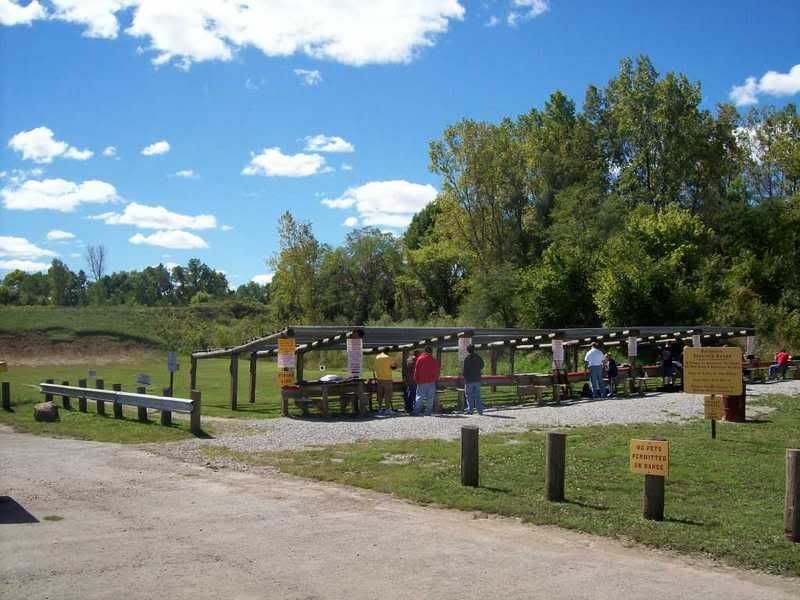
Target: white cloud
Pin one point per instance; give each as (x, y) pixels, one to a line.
(492, 21)
(56, 194)
(59, 234)
(227, 228)
(350, 222)
(385, 203)
(11, 13)
(155, 217)
(40, 145)
(313, 77)
(20, 247)
(161, 147)
(274, 163)
(772, 83)
(526, 9)
(175, 239)
(253, 84)
(347, 167)
(263, 279)
(75, 255)
(29, 266)
(328, 143)
(97, 15)
(110, 151)
(187, 174)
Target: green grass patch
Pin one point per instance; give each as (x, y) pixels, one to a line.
(724, 497)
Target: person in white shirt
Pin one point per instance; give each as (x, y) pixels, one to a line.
(594, 361)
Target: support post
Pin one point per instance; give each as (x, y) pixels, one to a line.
(253, 365)
(469, 455)
(117, 387)
(791, 514)
(82, 399)
(234, 369)
(65, 399)
(48, 397)
(653, 498)
(555, 466)
(194, 417)
(166, 415)
(101, 406)
(439, 352)
(6, 386)
(299, 367)
(361, 394)
(493, 365)
(193, 373)
(141, 411)
(511, 352)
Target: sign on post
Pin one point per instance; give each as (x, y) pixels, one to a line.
(633, 346)
(463, 343)
(712, 407)
(712, 371)
(143, 379)
(355, 349)
(650, 457)
(558, 353)
(287, 361)
(91, 374)
(172, 362)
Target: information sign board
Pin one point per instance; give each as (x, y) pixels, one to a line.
(650, 457)
(712, 371)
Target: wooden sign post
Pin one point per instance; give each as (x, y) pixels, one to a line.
(651, 459)
(712, 410)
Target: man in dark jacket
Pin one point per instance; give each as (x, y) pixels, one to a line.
(473, 366)
(411, 387)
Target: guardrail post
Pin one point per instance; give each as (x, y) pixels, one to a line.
(469, 455)
(141, 411)
(555, 461)
(65, 399)
(48, 397)
(253, 366)
(82, 399)
(194, 417)
(6, 387)
(101, 406)
(791, 514)
(117, 387)
(166, 415)
(234, 369)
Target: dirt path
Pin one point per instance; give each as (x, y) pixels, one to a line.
(135, 525)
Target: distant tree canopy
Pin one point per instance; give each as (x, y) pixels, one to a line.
(640, 208)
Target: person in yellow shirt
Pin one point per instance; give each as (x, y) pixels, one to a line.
(383, 378)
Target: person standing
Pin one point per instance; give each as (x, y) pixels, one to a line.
(666, 366)
(613, 371)
(426, 374)
(594, 360)
(383, 379)
(411, 388)
(473, 366)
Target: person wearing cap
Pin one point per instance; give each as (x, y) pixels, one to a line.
(383, 381)
(594, 360)
(473, 366)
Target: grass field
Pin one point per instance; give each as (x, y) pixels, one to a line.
(724, 497)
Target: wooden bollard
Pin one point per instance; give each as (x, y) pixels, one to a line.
(141, 411)
(791, 514)
(166, 415)
(101, 406)
(81, 399)
(65, 399)
(48, 397)
(469, 455)
(194, 417)
(555, 453)
(653, 497)
(117, 387)
(6, 393)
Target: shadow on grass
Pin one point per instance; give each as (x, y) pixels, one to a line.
(494, 489)
(688, 522)
(586, 505)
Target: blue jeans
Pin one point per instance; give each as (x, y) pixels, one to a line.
(596, 381)
(409, 396)
(773, 370)
(426, 392)
(472, 396)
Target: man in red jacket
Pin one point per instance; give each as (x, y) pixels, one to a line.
(426, 374)
(781, 363)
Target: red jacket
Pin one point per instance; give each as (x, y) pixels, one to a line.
(426, 369)
(782, 358)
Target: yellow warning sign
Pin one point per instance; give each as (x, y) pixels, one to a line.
(712, 407)
(712, 371)
(650, 457)
(285, 377)
(286, 345)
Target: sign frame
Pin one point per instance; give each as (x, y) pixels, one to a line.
(713, 370)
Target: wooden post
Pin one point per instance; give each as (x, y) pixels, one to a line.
(325, 409)
(65, 399)
(166, 415)
(171, 382)
(194, 418)
(493, 365)
(193, 373)
(555, 465)
(299, 366)
(713, 429)
(511, 351)
(6, 387)
(101, 406)
(48, 397)
(653, 498)
(82, 399)
(791, 514)
(234, 369)
(141, 411)
(284, 403)
(253, 364)
(117, 387)
(362, 398)
(439, 351)
(469, 455)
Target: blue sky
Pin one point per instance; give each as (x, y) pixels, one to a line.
(226, 86)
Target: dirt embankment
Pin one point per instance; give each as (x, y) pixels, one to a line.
(36, 349)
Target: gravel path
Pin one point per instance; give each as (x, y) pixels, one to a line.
(293, 433)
